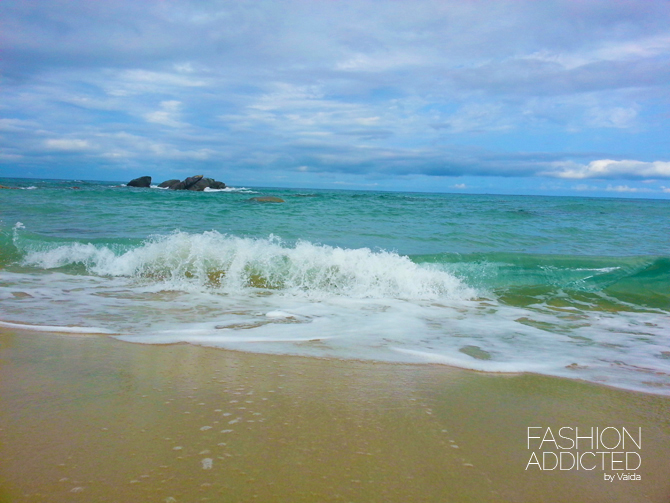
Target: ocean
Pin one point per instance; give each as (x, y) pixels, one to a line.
(562, 286)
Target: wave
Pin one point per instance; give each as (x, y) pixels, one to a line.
(642, 281)
(243, 190)
(226, 263)
(214, 261)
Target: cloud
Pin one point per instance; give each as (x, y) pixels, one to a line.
(611, 117)
(168, 114)
(626, 188)
(582, 187)
(607, 168)
(68, 145)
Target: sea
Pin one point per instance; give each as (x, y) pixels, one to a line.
(563, 286)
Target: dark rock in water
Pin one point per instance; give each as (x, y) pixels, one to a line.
(5, 187)
(196, 183)
(217, 185)
(192, 180)
(143, 181)
(168, 183)
(201, 184)
(267, 199)
(178, 186)
(186, 184)
(207, 183)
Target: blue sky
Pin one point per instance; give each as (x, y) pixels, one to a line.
(520, 97)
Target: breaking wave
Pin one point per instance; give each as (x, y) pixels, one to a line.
(215, 261)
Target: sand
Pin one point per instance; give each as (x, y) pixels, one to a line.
(93, 419)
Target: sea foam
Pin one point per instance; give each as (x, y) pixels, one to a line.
(214, 261)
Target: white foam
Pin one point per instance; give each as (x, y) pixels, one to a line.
(57, 329)
(216, 261)
(469, 363)
(278, 314)
(243, 190)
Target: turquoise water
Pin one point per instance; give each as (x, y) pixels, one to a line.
(574, 287)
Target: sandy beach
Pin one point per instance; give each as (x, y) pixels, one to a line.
(90, 418)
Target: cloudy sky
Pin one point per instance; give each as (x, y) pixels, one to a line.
(525, 97)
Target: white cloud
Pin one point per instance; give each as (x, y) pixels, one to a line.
(131, 82)
(476, 117)
(459, 186)
(168, 114)
(68, 145)
(625, 188)
(582, 187)
(616, 117)
(607, 168)
(16, 125)
(381, 62)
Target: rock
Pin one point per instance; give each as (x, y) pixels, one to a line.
(143, 181)
(168, 183)
(184, 185)
(201, 184)
(217, 185)
(178, 186)
(192, 180)
(205, 183)
(196, 183)
(5, 187)
(267, 199)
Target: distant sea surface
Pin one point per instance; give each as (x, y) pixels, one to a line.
(562, 286)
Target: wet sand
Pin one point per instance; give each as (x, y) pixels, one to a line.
(92, 419)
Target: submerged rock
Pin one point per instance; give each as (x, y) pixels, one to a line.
(267, 199)
(142, 181)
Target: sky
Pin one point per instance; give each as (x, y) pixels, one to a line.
(550, 97)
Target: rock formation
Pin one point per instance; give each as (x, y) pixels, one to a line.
(196, 183)
(168, 183)
(143, 181)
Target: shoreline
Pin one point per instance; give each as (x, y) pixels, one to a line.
(88, 332)
(92, 418)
